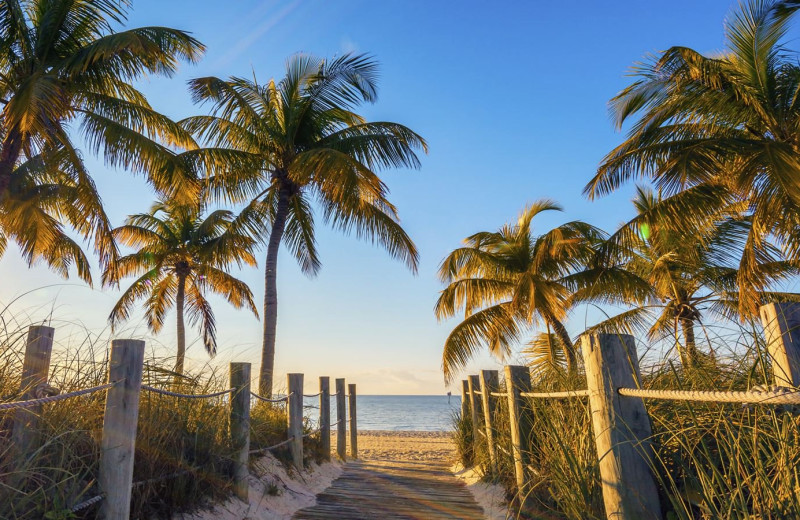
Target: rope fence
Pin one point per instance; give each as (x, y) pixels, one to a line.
(163, 477)
(268, 448)
(777, 395)
(185, 396)
(313, 395)
(267, 400)
(54, 398)
(556, 395)
(86, 503)
(498, 394)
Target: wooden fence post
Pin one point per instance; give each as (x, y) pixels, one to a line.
(621, 428)
(341, 417)
(353, 424)
(325, 416)
(781, 323)
(464, 399)
(489, 384)
(295, 416)
(120, 419)
(475, 413)
(240, 427)
(518, 380)
(35, 369)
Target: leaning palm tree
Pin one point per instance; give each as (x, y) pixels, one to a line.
(716, 131)
(63, 65)
(289, 144)
(693, 272)
(508, 280)
(180, 257)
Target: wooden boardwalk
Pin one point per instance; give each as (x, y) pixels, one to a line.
(386, 490)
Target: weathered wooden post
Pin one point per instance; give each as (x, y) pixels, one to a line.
(294, 408)
(325, 416)
(475, 412)
(621, 428)
(341, 418)
(518, 380)
(489, 384)
(35, 369)
(353, 423)
(464, 399)
(120, 419)
(781, 323)
(240, 427)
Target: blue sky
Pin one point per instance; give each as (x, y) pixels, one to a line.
(511, 97)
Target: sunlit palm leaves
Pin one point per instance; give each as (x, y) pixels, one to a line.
(180, 257)
(725, 124)
(295, 145)
(507, 281)
(63, 65)
(691, 271)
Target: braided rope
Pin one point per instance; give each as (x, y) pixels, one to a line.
(186, 396)
(86, 503)
(775, 395)
(54, 398)
(279, 400)
(498, 394)
(309, 434)
(261, 450)
(556, 395)
(313, 395)
(477, 392)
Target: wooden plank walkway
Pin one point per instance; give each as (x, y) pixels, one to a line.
(389, 490)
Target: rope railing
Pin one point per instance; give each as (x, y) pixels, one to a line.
(313, 432)
(336, 423)
(556, 395)
(185, 396)
(54, 398)
(776, 395)
(268, 448)
(313, 395)
(267, 400)
(86, 503)
(498, 394)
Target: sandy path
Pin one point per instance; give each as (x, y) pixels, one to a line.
(403, 445)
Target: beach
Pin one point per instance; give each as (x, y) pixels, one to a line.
(403, 445)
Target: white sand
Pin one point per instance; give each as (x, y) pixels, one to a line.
(274, 494)
(491, 497)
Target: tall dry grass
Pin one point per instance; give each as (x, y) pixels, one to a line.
(174, 435)
(710, 460)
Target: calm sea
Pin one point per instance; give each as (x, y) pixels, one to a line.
(398, 412)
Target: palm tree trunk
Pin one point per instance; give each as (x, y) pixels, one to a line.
(180, 299)
(569, 348)
(9, 154)
(271, 295)
(690, 348)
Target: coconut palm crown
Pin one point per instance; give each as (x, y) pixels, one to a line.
(508, 280)
(62, 65)
(716, 131)
(294, 143)
(180, 257)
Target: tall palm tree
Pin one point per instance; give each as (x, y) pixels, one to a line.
(508, 280)
(692, 272)
(288, 144)
(62, 65)
(715, 131)
(180, 257)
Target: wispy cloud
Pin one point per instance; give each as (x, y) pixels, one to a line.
(249, 39)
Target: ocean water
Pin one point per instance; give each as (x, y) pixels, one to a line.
(397, 412)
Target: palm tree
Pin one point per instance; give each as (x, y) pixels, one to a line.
(714, 132)
(508, 280)
(287, 144)
(692, 272)
(180, 257)
(63, 65)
